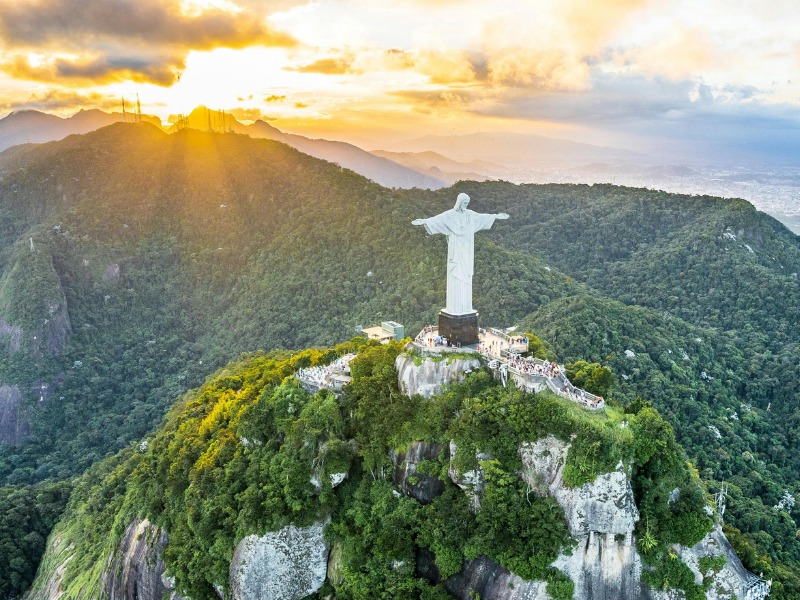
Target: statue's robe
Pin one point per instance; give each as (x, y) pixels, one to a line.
(459, 227)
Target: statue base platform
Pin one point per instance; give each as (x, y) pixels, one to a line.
(460, 330)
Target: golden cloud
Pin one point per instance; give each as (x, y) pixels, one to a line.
(55, 100)
(96, 70)
(139, 40)
(326, 66)
(679, 55)
(249, 114)
(548, 70)
(445, 67)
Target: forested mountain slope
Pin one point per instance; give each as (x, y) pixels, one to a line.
(386, 475)
(158, 256)
(133, 262)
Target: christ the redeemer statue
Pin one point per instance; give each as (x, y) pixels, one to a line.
(458, 321)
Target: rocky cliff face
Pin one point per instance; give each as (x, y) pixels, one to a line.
(422, 487)
(34, 316)
(431, 374)
(14, 426)
(491, 581)
(732, 581)
(136, 570)
(288, 564)
(10, 337)
(601, 516)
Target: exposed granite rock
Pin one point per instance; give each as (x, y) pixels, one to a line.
(601, 516)
(51, 588)
(605, 505)
(334, 568)
(111, 273)
(288, 564)
(405, 463)
(605, 566)
(14, 425)
(10, 336)
(57, 326)
(472, 481)
(492, 582)
(136, 571)
(431, 375)
(731, 581)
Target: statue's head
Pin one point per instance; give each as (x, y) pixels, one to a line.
(462, 201)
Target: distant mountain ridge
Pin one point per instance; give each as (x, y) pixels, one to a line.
(34, 127)
(31, 126)
(441, 167)
(515, 148)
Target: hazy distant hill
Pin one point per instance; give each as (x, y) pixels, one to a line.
(511, 149)
(157, 257)
(33, 126)
(443, 168)
(384, 171)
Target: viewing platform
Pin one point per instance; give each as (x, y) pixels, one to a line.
(504, 353)
(334, 376)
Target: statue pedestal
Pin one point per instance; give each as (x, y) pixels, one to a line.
(459, 329)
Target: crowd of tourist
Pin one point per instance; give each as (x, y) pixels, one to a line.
(550, 370)
(332, 376)
(494, 345)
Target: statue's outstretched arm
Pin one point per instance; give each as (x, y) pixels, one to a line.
(418, 222)
(501, 216)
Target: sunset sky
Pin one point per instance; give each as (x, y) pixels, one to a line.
(631, 73)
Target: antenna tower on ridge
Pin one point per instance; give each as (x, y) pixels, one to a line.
(124, 114)
(138, 109)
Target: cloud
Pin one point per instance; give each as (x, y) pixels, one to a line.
(326, 66)
(539, 69)
(144, 21)
(445, 67)
(98, 69)
(679, 54)
(441, 67)
(105, 39)
(248, 114)
(54, 100)
(274, 98)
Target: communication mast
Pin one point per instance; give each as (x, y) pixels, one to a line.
(138, 109)
(124, 114)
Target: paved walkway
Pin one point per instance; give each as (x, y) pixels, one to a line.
(505, 360)
(333, 376)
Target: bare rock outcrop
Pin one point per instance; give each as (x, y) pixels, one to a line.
(14, 425)
(601, 516)
(605, 505)
(484, 578)
(731, 581)
(10, 337)
(288, 564)
(427, 375)
(136, 569)
(424, 488)
(471, 482)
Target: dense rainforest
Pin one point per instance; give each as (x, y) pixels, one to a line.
(233, 458)
(133, 263)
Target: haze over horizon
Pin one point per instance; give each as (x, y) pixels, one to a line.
(684, 79)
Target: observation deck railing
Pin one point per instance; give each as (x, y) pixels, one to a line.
(532, 373)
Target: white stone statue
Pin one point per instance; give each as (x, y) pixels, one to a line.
(459, 225)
